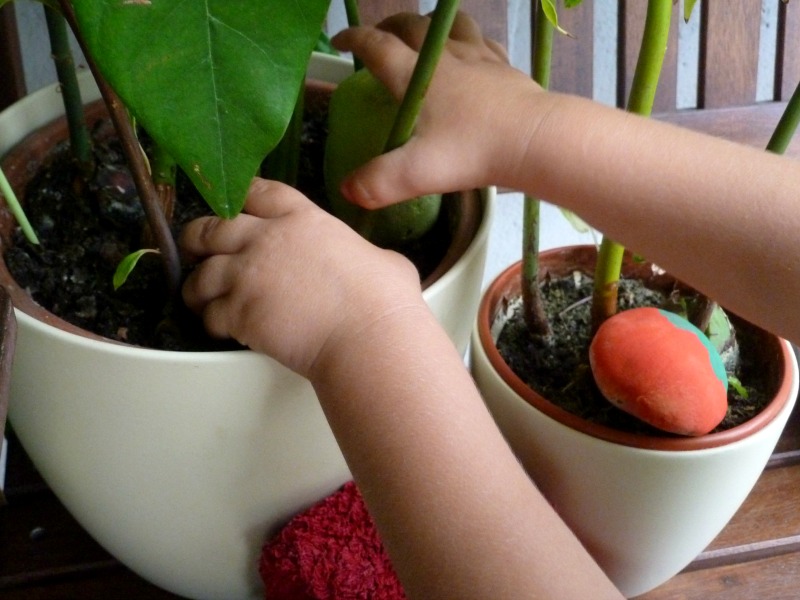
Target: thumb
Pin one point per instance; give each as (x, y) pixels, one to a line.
(394, 177)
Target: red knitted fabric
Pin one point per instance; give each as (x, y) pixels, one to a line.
(330, 552)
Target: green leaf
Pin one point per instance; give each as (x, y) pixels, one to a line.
(128, 264)
(214, 82)
(16, 209)
(737, 385)
(572, 3)
(577, 223)
(549, 9)
(324, 45)
(688, 7)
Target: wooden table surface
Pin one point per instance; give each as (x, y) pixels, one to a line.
(44, 553)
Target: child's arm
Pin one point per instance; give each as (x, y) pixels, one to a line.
(721, 216)
(458, 515)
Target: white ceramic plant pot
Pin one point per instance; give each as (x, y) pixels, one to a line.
(643, 509)
(182, 464)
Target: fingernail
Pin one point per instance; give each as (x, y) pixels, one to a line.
(354, 192)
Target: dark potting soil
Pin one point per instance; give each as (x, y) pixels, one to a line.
(86, 229)
(558, 367)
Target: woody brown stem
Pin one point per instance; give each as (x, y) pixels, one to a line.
(141, 175)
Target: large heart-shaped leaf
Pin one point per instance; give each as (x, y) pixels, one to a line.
(214, 82)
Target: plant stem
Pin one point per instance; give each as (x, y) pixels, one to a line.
(640, 101)
(165, 169)
(441, 22)
(141, 175)
(13, 204)
(353, 20)
(787, 125)
(532, 304)
(432, 47)
(701, 316)
(80, 142)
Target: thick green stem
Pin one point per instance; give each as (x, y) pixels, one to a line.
(435, 40)
(432, 47)
(533, 306)
(80, 140)
(353, 20)
(787, 125)
(640, 101)
(606, 282)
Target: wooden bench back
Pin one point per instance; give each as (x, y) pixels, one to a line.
(729, 45)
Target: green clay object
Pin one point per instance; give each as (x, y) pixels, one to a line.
(360, 116)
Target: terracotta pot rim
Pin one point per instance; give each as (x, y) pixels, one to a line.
(502, 289)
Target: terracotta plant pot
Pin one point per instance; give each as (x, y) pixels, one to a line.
(181, 464)
(644, 506)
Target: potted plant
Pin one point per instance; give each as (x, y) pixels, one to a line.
(182, 463)
(644, 503)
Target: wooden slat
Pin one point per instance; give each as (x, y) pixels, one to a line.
(8, 338)
(790, 439)
(769, 515)
(632, 15)
(751, 125)
(729, 34)
(374, 11)
(492, 16)
(572, 64)
(775, 578)
(102, 584)
(787, 54)
(12, 80)
(41, 541)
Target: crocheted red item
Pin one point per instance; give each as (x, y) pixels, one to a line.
(330, 552)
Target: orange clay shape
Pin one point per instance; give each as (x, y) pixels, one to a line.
(661, 369)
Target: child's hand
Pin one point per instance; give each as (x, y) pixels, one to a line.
(472, 131)
(287, 279)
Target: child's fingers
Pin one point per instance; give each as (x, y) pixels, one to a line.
(498, 49)
(391, 178)
(465, 29)
(215, 317)
(409, 27)
(388, 58)
(213, 235)
(271, 199)
(210, 280)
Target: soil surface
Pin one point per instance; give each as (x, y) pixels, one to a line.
(558, 367)
(85, 229)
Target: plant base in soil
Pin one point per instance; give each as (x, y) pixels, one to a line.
(85, 230)
(558, 367)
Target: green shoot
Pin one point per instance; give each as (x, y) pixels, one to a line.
(353, 20)
(128, 264)
(16, 209)
(546, 22)
(640, 101)
(737, 385)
